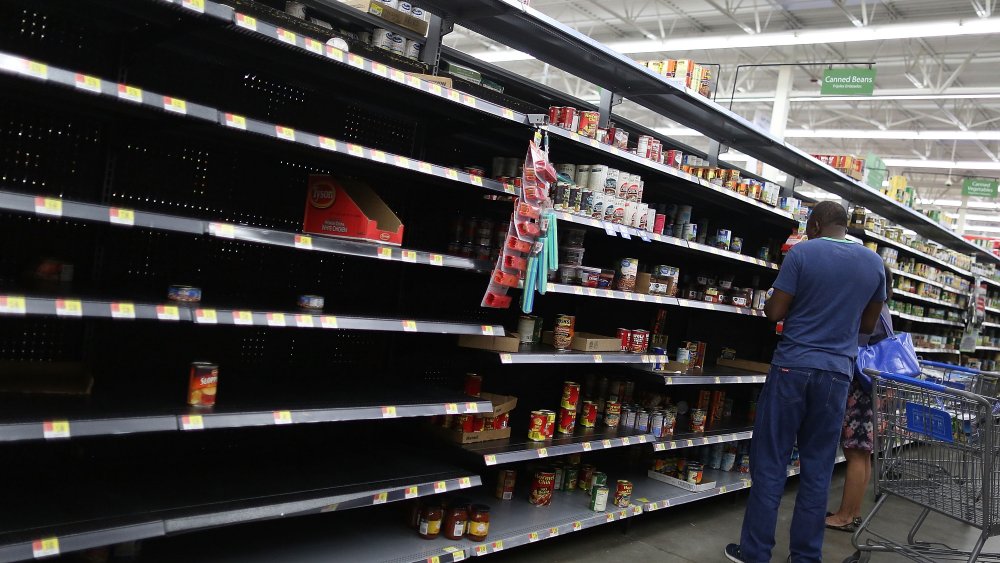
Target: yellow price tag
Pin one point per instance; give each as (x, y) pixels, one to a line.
(246, 22)
(46, 547)
(87, 82)
(498, 545)
(426, 168)
(334, 53)
(440, 487)
(237, 121)
(482, 550)
(355, 150)
(451, 408)
(718, 379)
(469, 101)
(385, 253)
(206, 316)
(464, 483)
(626, 442)
(69, 308)
(577, 526)
(380, 69)
(690, 443)
(409, 256)
(598, 359)
(491, 459)
(506, 358)
(380, 498)
(276, 319)
(659, 447)
(304, 321)
(130, 93)
(122, 311)
(242, 318)
(542, 452)
(476, 180)
(587, 446)
(609, 517)
(453, 95)
(409, 326)
(192, 422)
(508, 113)
(451, 173)
(642, 439)
(175, 105)
(48, 206)
(314, 46)
(222, 230)
(282, 417)
(553, 532)
(286, 36)
(414, 81)
(722, 490)
(303, 242)
(458, 556)
(533, 537)
(168, 313)
(286, 133)
(487, 330)
(355, 60)
(397, 75)
(402, 161)
(606, 443)
(52, 429)
(436, 89)
(411, 492)
(378, 155)
(328, 321)
(327, 143)
(37, 69)
(388, 412)
(196, 5)
(120, 216)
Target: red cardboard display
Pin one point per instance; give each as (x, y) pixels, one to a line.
(346, 208)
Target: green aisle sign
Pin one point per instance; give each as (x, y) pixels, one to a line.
(848, 82)
(980, 187)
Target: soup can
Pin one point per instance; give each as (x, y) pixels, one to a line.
(588, 414)
(625, 336)
(598, 177)
(698, 420)
(567, 115)
(597, 479)
(203, 383)
(570, 478)
(623, 493)
(669, 422)
(612, 413)
(736, 245)
(587, 127)
(583, 477)
(550, 423)
(542, 487)
(567, 420)
(694, 472)
(506, 480)
(562, 334)
(642, 420)
(570, 394)
(536, 426)
(554, 114)
(639, 341)
(689, 231)
(628, 417)
(599, 499)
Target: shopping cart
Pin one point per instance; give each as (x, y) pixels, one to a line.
(961, 377)
(938, 449)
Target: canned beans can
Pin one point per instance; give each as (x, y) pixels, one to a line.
(550, 423)
(562, 336)
(506, 480)
(669, 422)
(599, 499)
(567, 420)
(588, 415)
(542, 487)
(597, 479)
(536, 426)
(623, 493)
(588, 124)
(639, 341)
(203, 383)
(570, 479)
(625, 336)
(628, 417)
(612, 414)
(584, 476)
(570, 394)
(698, 420)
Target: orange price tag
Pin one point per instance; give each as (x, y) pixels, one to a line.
(304, 321)
(246, 22)
(487, 330)
(46, 547)
(327, 143)
(409, 326)
(303, 242)
(328, 321)
(409, 256)
(52, 429)
(437, 260)
(69, 308)
(282, 417)
(464, 483)
(122, 311)
(120, 216)
(314, 46)
(175, 105)
(491, 459)
(440, 487)
(334, 53)
(130, 93)
(276, 319)
(411, 492)
(205, 316)
(380, 498)
(385, 252)
(192, 422)
(355, 150)
(355, 60)
(242, 318)
(482, 549)
(89, 83)
(286, 133)
(168, 313)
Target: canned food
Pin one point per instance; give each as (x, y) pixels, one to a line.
(588, 124)
(628, 417)
(560, 472)
(694, 472)
(184, 293)
(669, 422)
(466, 423)
(598, 479)
(550, 423)
(554, 112)
(623, 493)
(598, 177)
(567, 115)
(625, 336)
(639, 341)
(698, 420)
(570, 394)
(656, 424)
(736, 245)
(723, 237)
(567, 420)
(683, 356)
(382, 38)
(599, 499)
(642, 421)
(311, 302)
(612, 414)
(536, 426)
(689, 231)
(584, 476)
(526, 329)
(473, 384)
(541, 488)
(573, 202)
(562, 334)
(203, 383)
(588, 414)
(570, 478)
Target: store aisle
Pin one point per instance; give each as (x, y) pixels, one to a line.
(698, 532)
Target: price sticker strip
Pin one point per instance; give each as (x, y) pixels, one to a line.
(701, 441)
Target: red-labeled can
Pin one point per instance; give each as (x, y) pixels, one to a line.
(639, 341)
(623, 493)
(506, 479)
(566, 117)
(542, 487)
(478, 423)
(550, 423)
(466, 422)
(203, 383)
(583, 477)
(536, 426)
(554, 114)
(625, 335)
(501, 422)
(588, 124)
(612, 414)
(570, 395)
(588, 414)
(567, 420)
(473, 384)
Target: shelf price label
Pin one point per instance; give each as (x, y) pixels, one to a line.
(690, 443)
(130, 93)
(355, 150)
(69, 308)
(490, 459)
(626, 442)
(658, 447)
(451, 408)
(642, 439)
(397, 75)
(237, 121)
(553, 532)
(314, 46)
(425, 167)
(533, 537)
(451, 173)
(414, 81)
(52, 429)
(119, 216)
(722, 490)
(303, 242)
(48, 206)
(409, 326)
(246, 22)
(304, 321)
(498, 545)
(122, 311)
(286, 133)
(609, 229)
(168, 313)
(506, 358)
(587, 446)
(328, 321)
(384, 252)
(282, 417)
(577, 526)
(327, 143)
(409, 256)
(609, 517)
(175, 105)
(286, 36)
(542, 452)
(623, 514)
(87, 82)
(276, 319)
(206, 316)
(598, 359)
(471, 408)
(10, 305)
(606, 443)
(380, 69)
(222, 230)
(379, 156)
(440, 487)
(242, 318)
(436, 89)
(46, 547)
(411, 492)
(482, 549)
(388, 412)
(380, 498)
(36, 69)
(507, 113)
(196, 5)
(454, 96)
(464, 483)
(355, 60)
(487, 330)
(469, 101)
(402, 161)
(458, 555)
(192, 422)
(636, 510)
(334, 53)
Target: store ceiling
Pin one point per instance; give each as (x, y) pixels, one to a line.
(937, 98)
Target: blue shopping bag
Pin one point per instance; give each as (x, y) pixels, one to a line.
(893, 355)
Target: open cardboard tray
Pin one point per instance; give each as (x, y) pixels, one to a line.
(511, 342)
(758, 367)
(587, 342)
(679, 483)
(501, 404)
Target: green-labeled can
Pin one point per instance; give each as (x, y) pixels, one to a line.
(599, 499)
(600, 479)
(569, 479)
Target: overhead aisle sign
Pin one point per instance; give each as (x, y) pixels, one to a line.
(848, 82)
(980, 187)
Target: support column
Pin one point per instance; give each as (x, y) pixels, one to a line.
(779, 121)
(960, 227)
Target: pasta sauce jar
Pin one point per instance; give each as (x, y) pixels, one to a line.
(454, 522)
(479, 522)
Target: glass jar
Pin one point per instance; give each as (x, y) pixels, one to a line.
(430, 522)
(455, 521)
(479, 522)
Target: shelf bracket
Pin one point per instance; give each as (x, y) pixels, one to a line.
(715, 148)
(789, 185)
(608, 101)
(538, 118)
(437, 28)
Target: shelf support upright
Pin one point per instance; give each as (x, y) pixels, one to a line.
(608, 101)
(437, 28)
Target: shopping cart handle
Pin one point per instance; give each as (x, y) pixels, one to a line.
(907, 380)
(950, 367)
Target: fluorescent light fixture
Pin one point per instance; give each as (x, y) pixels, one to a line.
(958, 203)
(942, 164)
(982, 229)
(980, 26)
(930, 135)
(875, 97)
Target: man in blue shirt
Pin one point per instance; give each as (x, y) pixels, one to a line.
(829, 290)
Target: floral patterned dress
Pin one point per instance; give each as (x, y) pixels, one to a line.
(858, 417)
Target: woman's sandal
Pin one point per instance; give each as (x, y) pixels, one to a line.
(850, 527)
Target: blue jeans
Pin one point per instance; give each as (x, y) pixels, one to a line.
(807, 405)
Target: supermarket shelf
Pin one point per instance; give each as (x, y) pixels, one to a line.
(548, 355)
(582, 440)
(928, 320)
(126, 310)
(57, 207)
(252, 494)
(61, 418)
(994, 283)
(987, 348)
(928, 281)
(712, 375)
(643, 298)
(901, 293)
(682, 440)
(202, 8)
(134, 96)
(991, 325)
(913, 251)
(525, 29)
(662, 169)
(993, 310)
(936, 351)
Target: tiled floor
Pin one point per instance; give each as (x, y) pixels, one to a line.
(698, 532)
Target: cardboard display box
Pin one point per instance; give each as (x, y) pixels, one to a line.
(758, 367)
(501, 404)
(349, 209)
(442, 80)
(389, 14)
(511, 342)
(587, 342)
(704, 486)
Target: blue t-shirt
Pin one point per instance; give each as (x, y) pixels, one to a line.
(832, 281)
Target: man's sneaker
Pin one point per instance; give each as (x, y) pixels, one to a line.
(733, 553)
